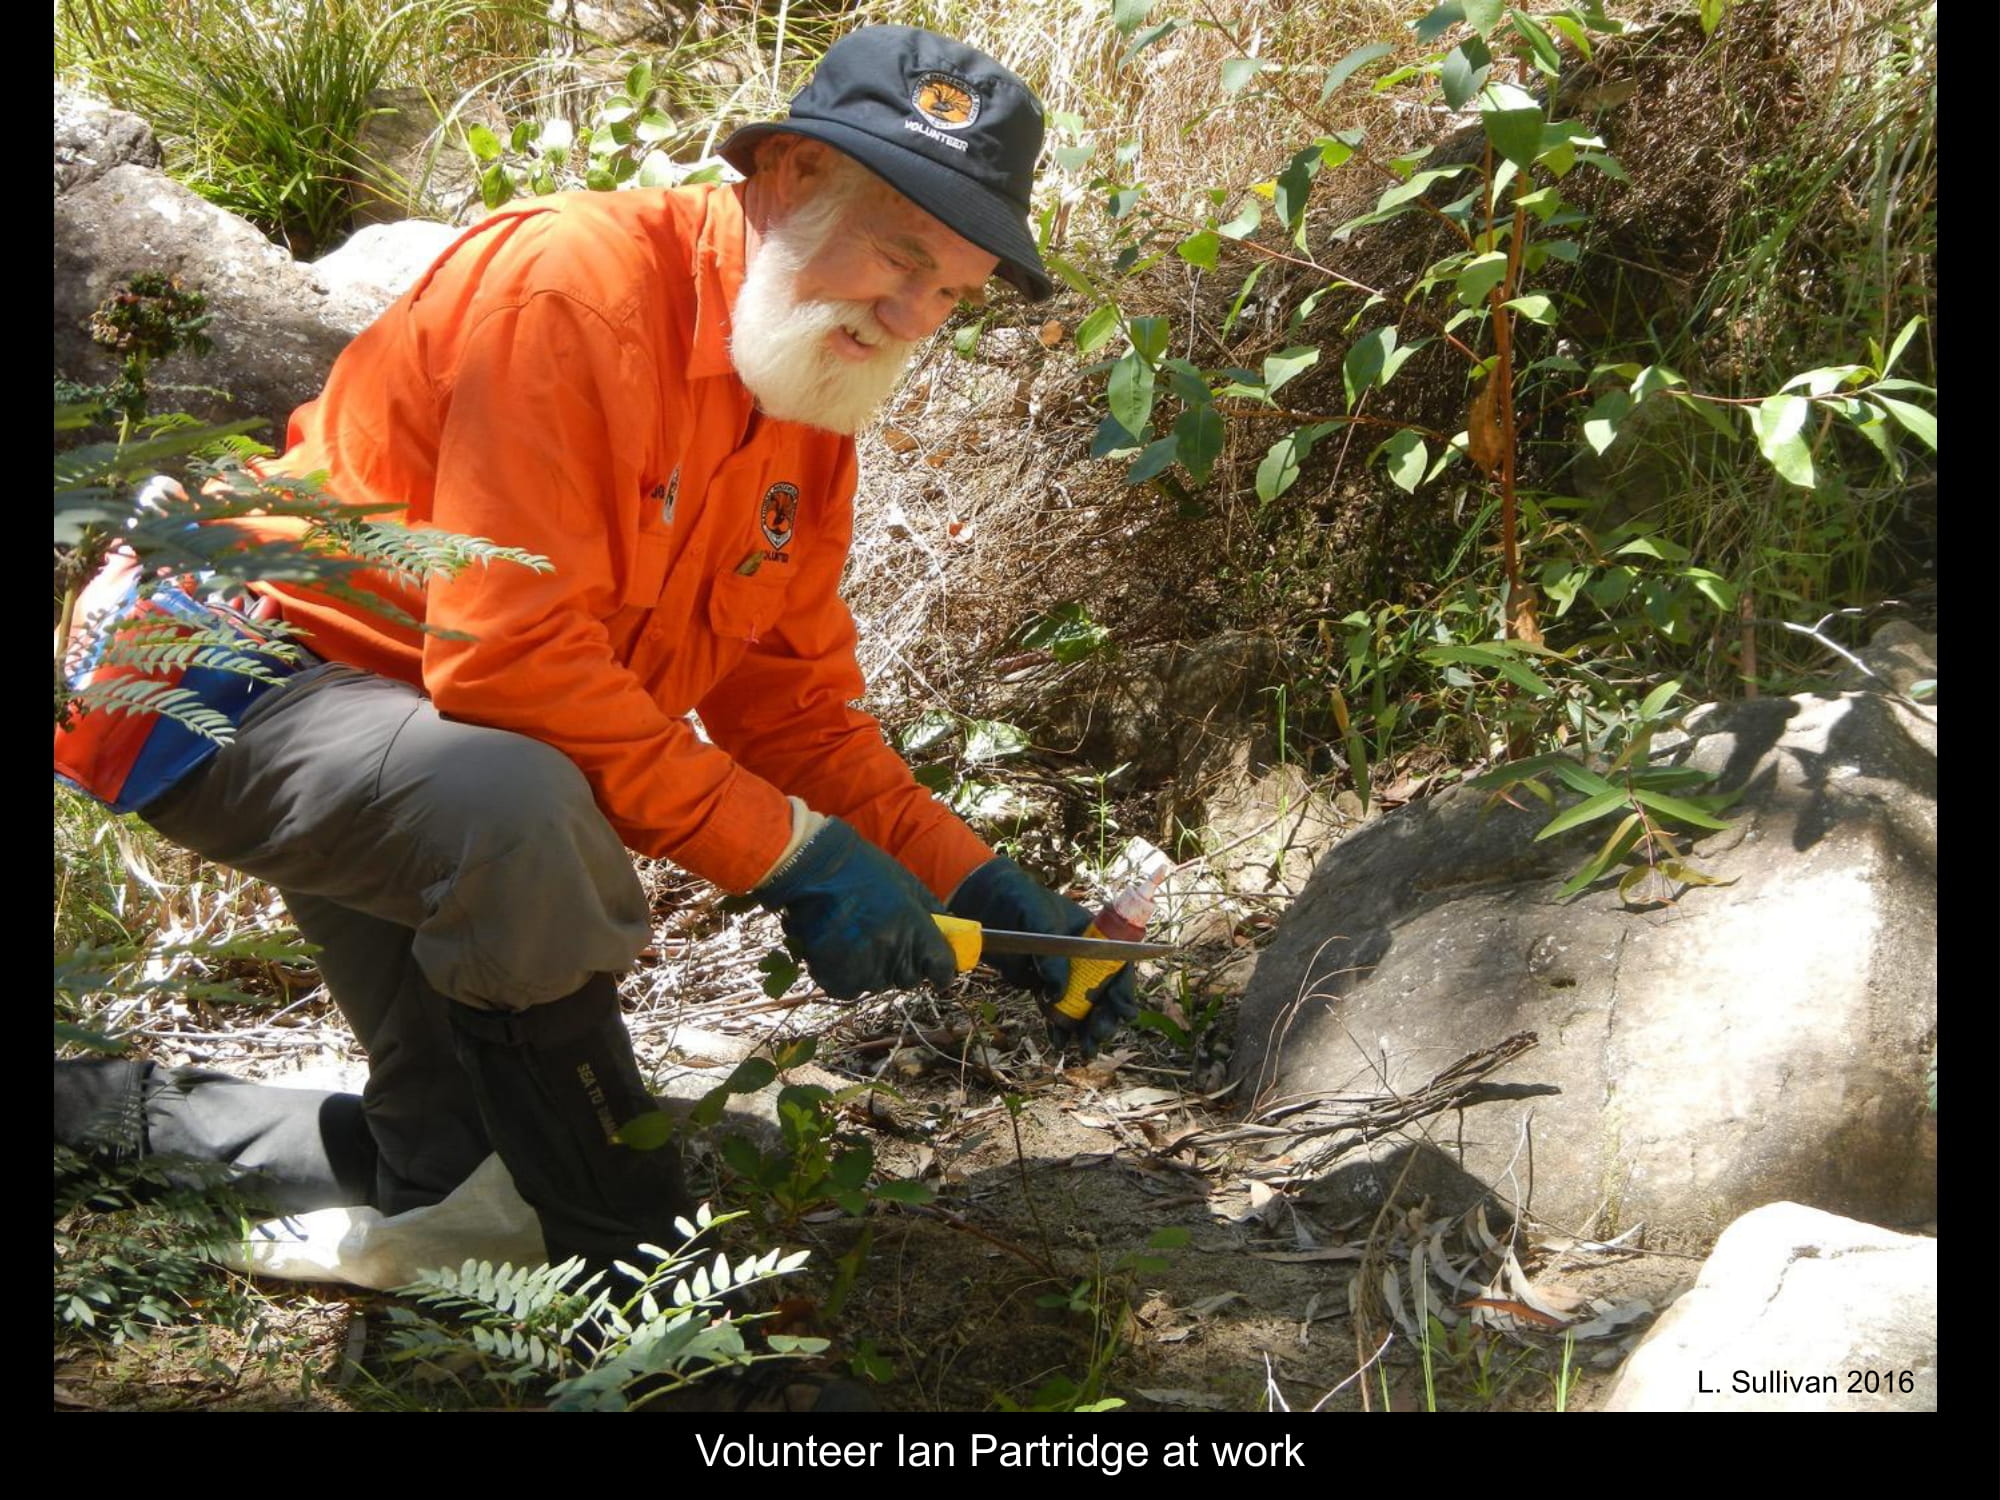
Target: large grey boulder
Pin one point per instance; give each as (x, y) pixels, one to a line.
(379, 262)
(91, 138)
(1759, 1041)
(1795, 1310)
(276, 325)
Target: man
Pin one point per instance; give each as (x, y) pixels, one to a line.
(657, 391)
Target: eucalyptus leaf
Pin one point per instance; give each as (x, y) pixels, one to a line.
(1586, 811)
(1146, 39)
(1287, 363)
(1657, 700)
(1647, 544)
(1188, 384)
(1674, 807)
(1654, 378)
(1572, 30)
(1500, 659)
(1155, 458)
(1779, 422)
(1548, 61)
(1902, 342)
(1200, 248)
(1479, 276)
(1680, 870)
(1333, 150)
(1238, 73)
(1343, 70)
(1248, 217)
(1096, 328)
(1436, 22)
(1716, 589)
(1128, 15)
(1130, 393)
(1621, 843)
(1294, 187)
(1150, 336)
(1279, 470)
(1407, 459)
(1914, 420)
(1875, 428)
(647, 1132)
(1464, 72)
(1415, 187)
(750, 1075)
(1580, 779)
(1600, 424)
(1364, 361)
(1606, 163)
(1198, 441)
(1826, 380)
(1073, 277)
(1111, 440)
(1516, 134)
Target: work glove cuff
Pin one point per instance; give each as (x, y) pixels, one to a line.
(859, 919)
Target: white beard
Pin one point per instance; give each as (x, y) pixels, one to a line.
(781, 346)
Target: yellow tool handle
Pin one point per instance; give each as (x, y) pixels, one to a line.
(964, 937)
(1085, 974)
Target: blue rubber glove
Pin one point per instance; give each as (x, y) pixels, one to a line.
(1001, 894)
(859, 920)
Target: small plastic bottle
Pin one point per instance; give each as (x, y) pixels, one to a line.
(1123, 919)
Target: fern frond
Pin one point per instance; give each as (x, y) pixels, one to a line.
(223, 651)
(106, 460)
(416, 555)
(129, 695)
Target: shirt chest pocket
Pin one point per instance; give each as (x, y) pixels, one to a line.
(746, 606)
(653, 546)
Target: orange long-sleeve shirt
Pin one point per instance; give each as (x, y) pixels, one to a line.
(560, 381)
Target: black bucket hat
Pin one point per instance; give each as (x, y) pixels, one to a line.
(945, 125)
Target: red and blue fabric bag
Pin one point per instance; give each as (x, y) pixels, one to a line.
(127, 759)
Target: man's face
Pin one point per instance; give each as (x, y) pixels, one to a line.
(841, 290)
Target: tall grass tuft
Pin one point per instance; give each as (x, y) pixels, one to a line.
(260, 103)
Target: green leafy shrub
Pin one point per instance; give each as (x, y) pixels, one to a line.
(136, 1246)
(817, 1162)
(556, 1330)
(1502, 232)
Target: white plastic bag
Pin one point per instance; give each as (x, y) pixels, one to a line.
(484, 1218)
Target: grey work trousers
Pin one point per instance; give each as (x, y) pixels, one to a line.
(432, 862)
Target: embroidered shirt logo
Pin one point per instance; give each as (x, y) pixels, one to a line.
(777, 515)
(945, 101)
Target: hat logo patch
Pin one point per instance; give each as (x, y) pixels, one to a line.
(946, 101)
(777, 514)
